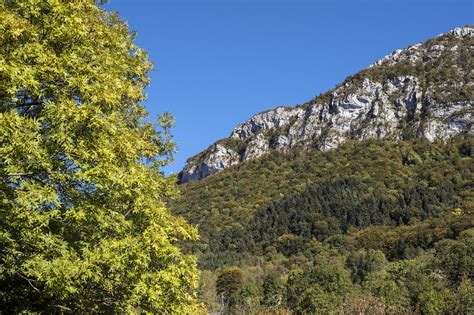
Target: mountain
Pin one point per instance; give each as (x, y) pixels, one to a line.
(423, 91)
(360, 201)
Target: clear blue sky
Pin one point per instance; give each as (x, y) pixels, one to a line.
(220, 62)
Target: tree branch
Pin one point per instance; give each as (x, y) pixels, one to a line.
(63, 307)
(31, 284)
(29, 104)
(20, 174)
(31, 174)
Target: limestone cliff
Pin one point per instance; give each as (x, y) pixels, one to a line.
(425, 90)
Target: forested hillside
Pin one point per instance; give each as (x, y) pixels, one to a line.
(378, 212)
(235, 196)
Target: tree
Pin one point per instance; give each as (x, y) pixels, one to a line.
(410, 283)
(228, 285)
(272, 291)
(84, 221)
(364, 262)
(462, 301)
(318, 290)
(454, 258)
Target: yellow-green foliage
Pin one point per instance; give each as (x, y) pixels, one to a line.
(83, 221)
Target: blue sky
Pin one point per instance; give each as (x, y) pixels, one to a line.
(219, 62)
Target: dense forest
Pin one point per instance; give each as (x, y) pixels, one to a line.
(373, 227)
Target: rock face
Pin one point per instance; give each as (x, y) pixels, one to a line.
(216, 159)
(425, 90)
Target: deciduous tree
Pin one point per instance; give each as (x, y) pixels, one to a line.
(84, 225)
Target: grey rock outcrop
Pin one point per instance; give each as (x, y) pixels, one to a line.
(394, 98)
(265, 121)
(214, 160)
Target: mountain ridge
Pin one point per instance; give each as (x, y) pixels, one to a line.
(424, 90)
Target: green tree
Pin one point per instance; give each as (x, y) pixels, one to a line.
(454, 258)
(82, 200)
(382, 285)
(364, 262)
(416, 282)
(272, 294)
(290, 244)
(228, 285)
(318, 290)
(462, 301)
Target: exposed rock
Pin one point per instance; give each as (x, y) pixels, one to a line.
(423, 52)
(449, 121)
(256, 148)
(265, 121)
(373, 105)
(213, 161)
(463, 31)
(279, 143)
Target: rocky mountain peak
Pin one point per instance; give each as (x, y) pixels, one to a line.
(425, 90)
(462, 31)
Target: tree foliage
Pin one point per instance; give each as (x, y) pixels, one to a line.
(318, 290)
(228, 284)
(84, 222)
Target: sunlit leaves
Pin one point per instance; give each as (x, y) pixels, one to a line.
(84, 223)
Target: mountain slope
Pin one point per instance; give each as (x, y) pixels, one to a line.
(358, 202)
(423, 91)
(286, 215)
(383, 169)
